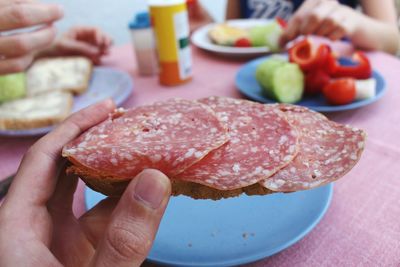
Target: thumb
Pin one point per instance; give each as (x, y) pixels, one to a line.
(135, 221)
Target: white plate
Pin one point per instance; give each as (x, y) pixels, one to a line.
(200, 38)
(105, 83)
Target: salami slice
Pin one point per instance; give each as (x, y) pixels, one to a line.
(169, 136)
(327, 151)
(261, 142)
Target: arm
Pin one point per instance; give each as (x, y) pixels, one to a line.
(375, 30)
(233, 9)
(198, 15)
(378, 27)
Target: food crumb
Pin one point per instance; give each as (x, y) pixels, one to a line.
(246, 235)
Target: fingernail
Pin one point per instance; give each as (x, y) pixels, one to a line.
(108, 103)
(60, 9)
(151, 188)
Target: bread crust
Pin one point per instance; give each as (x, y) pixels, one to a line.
(114, 186)
(80, 90)
(74, 90)
(24, 124)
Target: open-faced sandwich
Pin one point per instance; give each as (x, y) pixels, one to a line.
(216, 147)
(264, 34)
(43, 96)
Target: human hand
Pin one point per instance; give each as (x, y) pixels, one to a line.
(37, 225)
(198, 16)
(17, 50)
(324, 18)
(87, 41)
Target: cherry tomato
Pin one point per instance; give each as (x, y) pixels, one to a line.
(315, 81)
(243, 42)
(340, 91)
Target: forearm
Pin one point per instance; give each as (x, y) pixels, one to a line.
(232, 9)
(376, 35)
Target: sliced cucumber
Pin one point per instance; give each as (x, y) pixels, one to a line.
(272, 38)
(288, 83)
(265, 73)
(266, 35)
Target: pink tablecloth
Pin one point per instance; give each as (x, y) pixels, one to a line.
(362, 225)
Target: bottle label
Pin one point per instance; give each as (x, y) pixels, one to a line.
(182, 31)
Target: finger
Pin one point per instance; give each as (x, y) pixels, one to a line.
(309, 24)
(98, 36)
(292, 28)
(6, 3)
(291, 31)
(22, 44)
(109, 41)
(60, 204)
(86, 34)
(315, 17)
(67, 236)
(94, 222)
(337, 34)
(75, 47)
(96, 60)
(22, 15)
(330, 23)
(35, 180)
(13, 65)
(326, 27)
(135, 221)
(307, 6)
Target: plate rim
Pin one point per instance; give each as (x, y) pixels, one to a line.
(325, 108)
(200, 33)
(44, 130)
(328, 196)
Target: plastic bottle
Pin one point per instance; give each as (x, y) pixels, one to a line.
(144, 44)
(171, 27)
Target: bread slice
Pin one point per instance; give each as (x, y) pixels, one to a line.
(113, 186)
(224, 34)
(68, 74)
(37, 111)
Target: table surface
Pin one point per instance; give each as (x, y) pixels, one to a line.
(361, 227)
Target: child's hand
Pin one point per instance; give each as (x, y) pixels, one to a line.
(324, 18)
(82, 40)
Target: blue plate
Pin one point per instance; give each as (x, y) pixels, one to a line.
(247, 84)
(233, 231)
(105, 83)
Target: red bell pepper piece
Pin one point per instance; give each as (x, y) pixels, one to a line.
(361, 70)
(315, 81)
(307, 57)
(281, 22)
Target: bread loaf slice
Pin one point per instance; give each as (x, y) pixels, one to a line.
(68, 74)
(224, 34)
(114, 186)
(35, 112)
